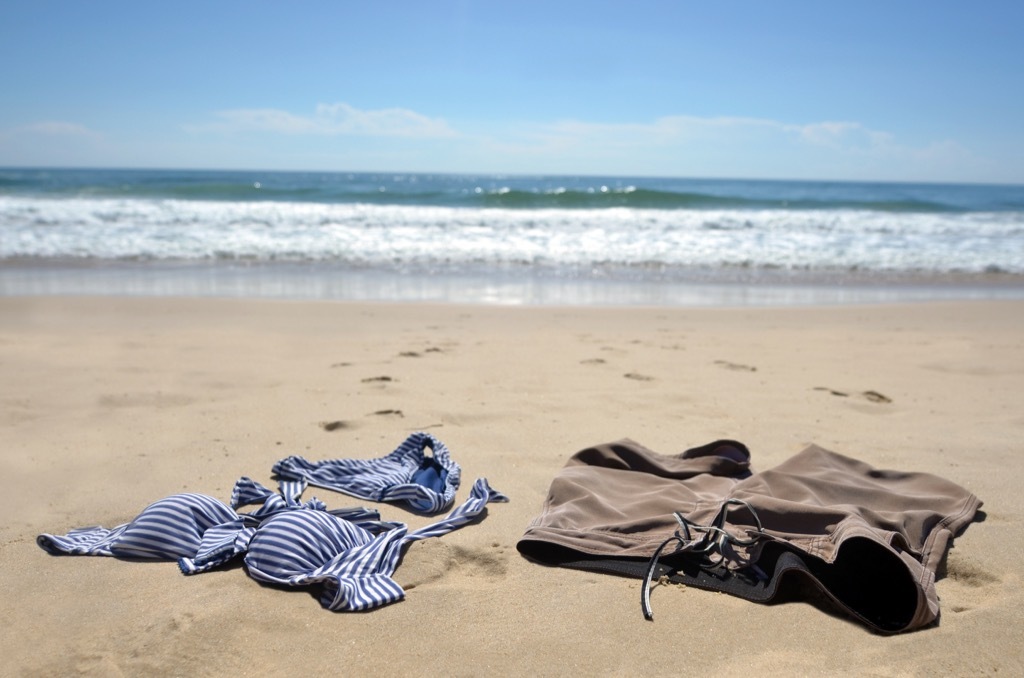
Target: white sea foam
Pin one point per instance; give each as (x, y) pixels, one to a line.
(395, 236)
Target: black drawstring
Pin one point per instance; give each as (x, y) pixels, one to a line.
(713, 540)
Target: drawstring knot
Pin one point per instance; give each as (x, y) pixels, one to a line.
(711, 545)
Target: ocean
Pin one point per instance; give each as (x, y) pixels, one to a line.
(505, 239)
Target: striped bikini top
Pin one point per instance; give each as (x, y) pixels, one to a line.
(350, 552)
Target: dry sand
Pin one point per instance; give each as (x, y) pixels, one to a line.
(110, 403)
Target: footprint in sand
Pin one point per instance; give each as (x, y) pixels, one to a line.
(872, 396)
(593, 361)
(417, 354)
(389, 413)
(381, 379)
(433, 560)
(738, 367)
(335, 425)
(967, 585)
(638, 377)
(831, 391)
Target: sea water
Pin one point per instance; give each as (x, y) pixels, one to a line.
(504, 239)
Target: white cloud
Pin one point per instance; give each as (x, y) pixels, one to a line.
(332, 120)
(843, 135)
(726, 146)
(58, 128)
(53, 142)
(681, 129)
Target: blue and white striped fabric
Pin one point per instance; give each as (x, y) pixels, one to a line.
(426, 484)
(349, 551)
(303, 548)
(170, 528)
(248, 491)
(198, 531)
(222, 543)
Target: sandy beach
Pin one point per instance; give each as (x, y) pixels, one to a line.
(110, 403)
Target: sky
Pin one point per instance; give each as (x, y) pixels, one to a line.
(868, 91)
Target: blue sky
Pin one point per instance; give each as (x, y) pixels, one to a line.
(904, 91)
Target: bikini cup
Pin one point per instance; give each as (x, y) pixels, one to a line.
(302, 548)
(172, 527)
(167, 529)
(224, 542)
(353, 561)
